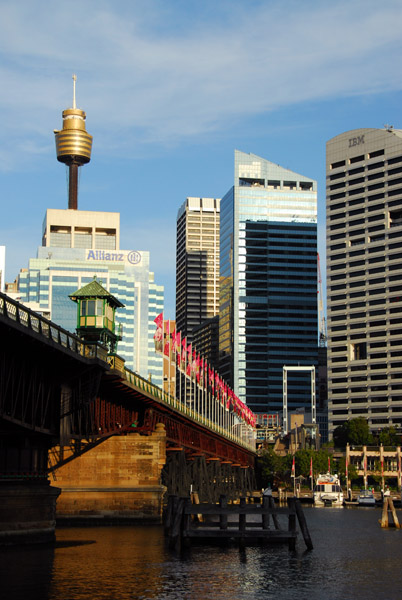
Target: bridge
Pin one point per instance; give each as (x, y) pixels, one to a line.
(67, 407)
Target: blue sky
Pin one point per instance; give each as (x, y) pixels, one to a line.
(171, 88)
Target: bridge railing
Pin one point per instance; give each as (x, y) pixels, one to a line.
(14, 311)
(225, 424)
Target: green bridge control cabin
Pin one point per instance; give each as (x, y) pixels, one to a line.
(96, 309)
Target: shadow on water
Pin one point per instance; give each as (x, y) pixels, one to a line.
(70, 543)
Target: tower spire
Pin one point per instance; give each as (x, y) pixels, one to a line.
(73, 146)
(74, 83)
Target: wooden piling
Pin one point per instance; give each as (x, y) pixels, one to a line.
(388, 506)
(303, 525)
(273, 512)
(223, 518)
(384, 515)
(265, 514)
(292, 523)
(393, 511)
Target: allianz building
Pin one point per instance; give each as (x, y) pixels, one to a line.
(78, 245)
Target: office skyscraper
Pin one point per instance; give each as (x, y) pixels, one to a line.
(268, 283)
(364, 272)
(197, 263)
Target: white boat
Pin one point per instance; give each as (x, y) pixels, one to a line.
(366, 498)
(328, 491)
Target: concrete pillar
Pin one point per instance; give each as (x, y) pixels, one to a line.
(27, 512)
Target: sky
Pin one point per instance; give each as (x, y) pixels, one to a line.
(171, 88)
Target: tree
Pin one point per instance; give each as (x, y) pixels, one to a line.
(355, 431)
(389, 437)
(273, 467)
(352, 470)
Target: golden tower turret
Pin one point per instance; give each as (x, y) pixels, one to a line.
(73, 146)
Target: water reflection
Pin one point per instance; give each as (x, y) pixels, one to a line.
(352, 558)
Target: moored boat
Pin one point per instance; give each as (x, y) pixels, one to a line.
(328, 491)
(366, 498)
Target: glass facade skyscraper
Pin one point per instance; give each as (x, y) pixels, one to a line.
(268, 283)
(78, 245)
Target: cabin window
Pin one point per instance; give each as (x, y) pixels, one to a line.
(92, 307)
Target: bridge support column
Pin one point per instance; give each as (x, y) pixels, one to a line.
(118, 480)
(27, 512)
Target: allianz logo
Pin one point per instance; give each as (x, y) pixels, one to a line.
(132, 257)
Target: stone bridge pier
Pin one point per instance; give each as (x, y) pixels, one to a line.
(118, 480)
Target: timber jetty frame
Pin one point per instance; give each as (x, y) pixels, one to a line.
(221, 522)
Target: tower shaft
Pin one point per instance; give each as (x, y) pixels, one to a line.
(73, 186)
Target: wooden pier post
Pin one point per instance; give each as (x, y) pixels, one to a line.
(303, 525)
(292, 523)
(274, 515)
(176, 528)
(387, 506)
(265, 515)
(242, 516)
(223, 519)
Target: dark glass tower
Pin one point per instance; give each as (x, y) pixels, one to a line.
(268, 302)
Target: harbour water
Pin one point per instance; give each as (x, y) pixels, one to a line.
(352, 558)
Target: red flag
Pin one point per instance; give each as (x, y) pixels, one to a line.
(311, 466)
(158, 336)
(189, 360)
(293, 468)
(194, 365)
(183, 354)
(329, 464)
(178, 349)
(211, 379)
(166, 350)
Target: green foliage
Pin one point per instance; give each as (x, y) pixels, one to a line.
(355, 431)
(276, 470)
(389, 437)
(273, 467)
(352, 470)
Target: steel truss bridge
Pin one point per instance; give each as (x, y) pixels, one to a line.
(61, 396)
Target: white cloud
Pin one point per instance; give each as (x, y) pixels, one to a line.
(151, 73)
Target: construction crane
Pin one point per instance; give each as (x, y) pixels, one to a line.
(321, 316)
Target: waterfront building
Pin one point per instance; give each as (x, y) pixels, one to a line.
(78, 245)
(376, 462)
(197, 263)
(364, 241)
(268, 283)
